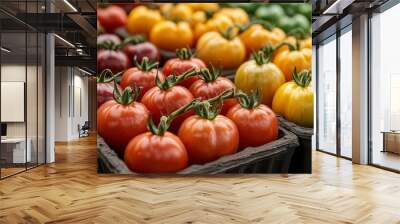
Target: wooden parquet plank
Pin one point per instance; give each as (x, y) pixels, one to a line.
(70, 191)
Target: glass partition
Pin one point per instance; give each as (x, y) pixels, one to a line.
(346, 92)
(327, 95)
(22, 77)
(385, 89)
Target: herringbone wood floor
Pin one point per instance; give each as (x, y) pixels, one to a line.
(70, 191)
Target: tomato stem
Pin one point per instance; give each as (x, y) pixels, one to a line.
(145, 65)
(108, 45)
(228, 33)
(209, 74)
(165, 121)
(227, 94)
(262, 57)
(184, 54)
(207, 110)
(128, 96)
(302, 78)
(107, 76)
(265, 24)
(250, 101)
(173, 79)
(135, 39)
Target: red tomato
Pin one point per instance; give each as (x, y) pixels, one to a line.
(119, 122)
(144, 76)
(111, 38)
(150, 153)
(207, 140)
(111, 18)
(207, 88)
(114, 60)
(183, 63)
(162, 102)
(141, 50)
(105, 91)
(256, 126)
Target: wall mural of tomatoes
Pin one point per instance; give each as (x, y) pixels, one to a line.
(202, 88)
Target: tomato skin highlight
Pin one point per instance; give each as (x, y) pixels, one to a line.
(116, 61)
(135, 77)
(111, 18)
(257, 126)
(149, 153)
(178, 67)
(105, 92)
(206, 90)
(207, 140)
(118, 123)
(163, 102)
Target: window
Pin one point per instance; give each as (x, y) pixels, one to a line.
(385, 85)
(346, 92)
(327, 96)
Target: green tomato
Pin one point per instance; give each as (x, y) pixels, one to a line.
(305, 10)
(290, 8)
(301, 22)
(272, 13)
(287, 24)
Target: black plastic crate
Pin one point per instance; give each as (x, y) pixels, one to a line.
(274, 157)
(302, 158)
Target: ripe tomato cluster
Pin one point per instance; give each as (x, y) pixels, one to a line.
(162, 114)
(163, 120)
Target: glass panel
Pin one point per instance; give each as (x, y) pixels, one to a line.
(41, 99)
(13, 87)
(346, 93)
(385, 84)
(31, 99)
(327, 96)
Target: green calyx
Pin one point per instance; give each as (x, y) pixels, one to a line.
(165, 121)
(209, 74)
(107, 76)
(262, 57)
(302, 78)
(184, 54)
(250, 101)
(128, 96)
(108, 45)
(173, 79)
(228, 33)
(145, 65)
(135, 39)
(207, 110)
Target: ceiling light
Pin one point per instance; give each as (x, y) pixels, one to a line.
(70, 5)
(5, 50)
(84, 71)
(64, 40)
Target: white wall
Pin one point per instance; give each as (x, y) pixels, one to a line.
(71, 94)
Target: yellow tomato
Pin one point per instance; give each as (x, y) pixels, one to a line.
(198, 17)
(256, 37)
(288, 60)
(170, 36)
(305, 43)
(180, 12)
(294, 100)
(226, 52)
(218, 23)
(141, 20)
(203, 6)
(261, 74)
(237, 15)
